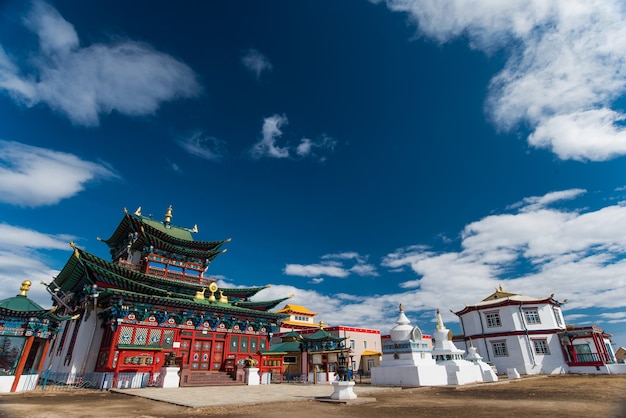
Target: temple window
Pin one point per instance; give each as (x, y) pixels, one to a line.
(352, 344)
(499, 348)
(541, 346)
(557, 316)
(532, 316)
(493, 319)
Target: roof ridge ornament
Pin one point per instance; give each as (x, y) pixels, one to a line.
(168, 216)
(25, 287)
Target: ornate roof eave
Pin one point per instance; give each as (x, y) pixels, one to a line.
(135, 223)
(260, 305)
(322, 335)
(160, 283)
(203, 245)
(242, 292)
(185, 303)
(506, 302)
(156, 242)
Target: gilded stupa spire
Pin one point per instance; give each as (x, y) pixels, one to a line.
(168, 216)
(25, 287)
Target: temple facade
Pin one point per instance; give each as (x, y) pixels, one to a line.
(529, 335)
(152, 306)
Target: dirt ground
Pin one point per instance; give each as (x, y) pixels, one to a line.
(598, 396)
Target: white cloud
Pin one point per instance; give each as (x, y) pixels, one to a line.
(267, 147)
(14, 236)
(310, 148)
(566, 66)
(534, 203)
(333, 266)
(84, 83)
(313, 270)
(21, 258)
(256, 62)
(33, 176)
(202, 146)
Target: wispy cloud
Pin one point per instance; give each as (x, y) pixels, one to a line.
(334, 265)
(21, 258)
(312, 148)
(203, 146)
(268, 146)
(84, 83)
(565, 68)
(33, 176)
(256, 62)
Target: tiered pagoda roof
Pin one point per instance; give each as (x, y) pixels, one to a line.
(162, 237)
(84, 269)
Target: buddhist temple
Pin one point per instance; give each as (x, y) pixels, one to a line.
(152, 306)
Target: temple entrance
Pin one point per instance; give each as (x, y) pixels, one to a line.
(202, 352)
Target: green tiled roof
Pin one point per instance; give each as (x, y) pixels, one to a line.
(173, 231)
(20, 303)
(264, 305)
(115, 279)
(289, 346)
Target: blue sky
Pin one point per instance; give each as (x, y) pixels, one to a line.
(359, 154)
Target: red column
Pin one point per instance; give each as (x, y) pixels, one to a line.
(20, 365)
(43, 357)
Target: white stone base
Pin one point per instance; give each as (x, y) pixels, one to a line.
(252, 376)
(343, 391)
(512, 373)
(169, 378)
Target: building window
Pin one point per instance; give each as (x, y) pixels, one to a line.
(493, 319)
(557, 316)
(352, 344)
(532, 316)
(499, 349)
(365, 344)
(541, 346)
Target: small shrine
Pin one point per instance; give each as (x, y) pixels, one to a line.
(25, 333)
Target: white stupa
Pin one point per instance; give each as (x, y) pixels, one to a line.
(409, 360)
(459, 370)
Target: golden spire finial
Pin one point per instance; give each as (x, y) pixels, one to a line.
(322, 325)
(501, 289)
(138, 211)
(168, 215)
(76, 253)
(25, 287)
(401, 308)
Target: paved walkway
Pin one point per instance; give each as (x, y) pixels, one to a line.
(200, 397)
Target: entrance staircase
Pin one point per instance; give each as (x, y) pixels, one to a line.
(206, 378)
